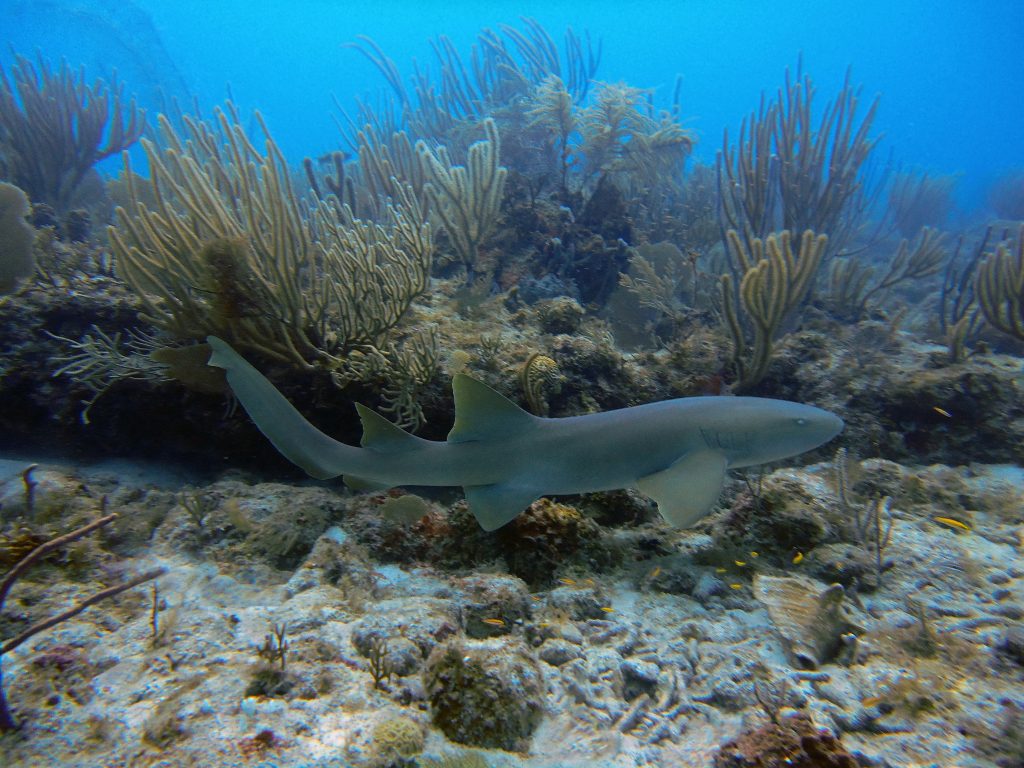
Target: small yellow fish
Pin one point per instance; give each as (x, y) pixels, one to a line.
(952, 523)
(871, 701)
(719, 570)
(655, 572)
(567, 582)
(741, 562)
(494, 622)
(535, 598)
(942, 412)
(755, 554)
(589, 583)
(735, 586)
(607, 609)
(798, 558)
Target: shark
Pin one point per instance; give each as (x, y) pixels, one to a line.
(676, 452)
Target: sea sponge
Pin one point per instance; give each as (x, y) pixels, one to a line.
(17, 261)
(485, 694)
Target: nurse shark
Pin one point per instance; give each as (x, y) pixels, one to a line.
(674, 451)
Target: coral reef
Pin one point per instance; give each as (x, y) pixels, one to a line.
(514, 219)
(549, 536)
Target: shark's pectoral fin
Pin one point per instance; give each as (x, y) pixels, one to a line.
(495, 505)
(687, 489)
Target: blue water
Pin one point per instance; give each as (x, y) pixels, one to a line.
(949, 73)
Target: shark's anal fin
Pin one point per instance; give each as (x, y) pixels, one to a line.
(483, 414)
(495, 505)
(686, 490)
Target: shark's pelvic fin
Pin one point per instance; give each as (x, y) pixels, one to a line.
(361, 484)
(688, 488)
(483, 414)
(298, 440)
(495, 505)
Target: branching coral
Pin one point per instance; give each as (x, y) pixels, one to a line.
(622, 137)
(54, 127)
(554, 110)
(1000, 287)
(918, 200)
(467, 199)
(852, 287)
(791, 171)
(505, 65)
(775, 280)
(227, 251)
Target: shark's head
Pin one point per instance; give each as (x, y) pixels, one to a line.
(755, 430)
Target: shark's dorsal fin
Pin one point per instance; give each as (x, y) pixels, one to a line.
(495, 505)
(382, 436)
(688, 488)
(483, 414)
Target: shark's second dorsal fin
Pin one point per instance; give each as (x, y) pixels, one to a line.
(483, 414)
(382, 436)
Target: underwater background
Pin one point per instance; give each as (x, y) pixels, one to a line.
(587, 207)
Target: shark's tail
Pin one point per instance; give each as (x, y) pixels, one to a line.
(298, 440)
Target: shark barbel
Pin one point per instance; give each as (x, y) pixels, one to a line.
(674, 451)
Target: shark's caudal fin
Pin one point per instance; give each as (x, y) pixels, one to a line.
(686, 490)
(481, 414)
(298, 440)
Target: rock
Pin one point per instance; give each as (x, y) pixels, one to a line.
(558, 651)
